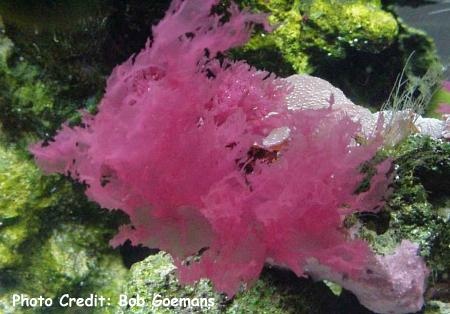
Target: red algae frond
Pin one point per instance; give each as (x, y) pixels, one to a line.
(172, 145)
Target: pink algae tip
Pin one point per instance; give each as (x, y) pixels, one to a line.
(444, 109)
(177, 145)
(446, 86)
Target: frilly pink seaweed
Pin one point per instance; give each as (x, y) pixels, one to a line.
(176, 144)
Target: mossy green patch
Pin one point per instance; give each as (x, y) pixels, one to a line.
(419, 208)
(73, 260)
(277, 291)
(357, 45)
(337, 25)
(56, 61)
(29, 102)
(52, 240)
(437, 307)
(24, 193)
(324, 27)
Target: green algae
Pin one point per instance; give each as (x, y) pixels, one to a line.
(50, 71)
(29, 102)
(74, 58)
(72, 260)
(324, 28)
(277, 291)
(335, 26)
(24, 194)
(419, 207)
(52, 240)
(359, 46)
(437, 307)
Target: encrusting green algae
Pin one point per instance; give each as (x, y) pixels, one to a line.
(346, 42)
(275, 292)
(48, 243)
(307, 30)
(419, 207)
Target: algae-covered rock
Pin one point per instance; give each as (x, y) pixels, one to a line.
(324, 28)
(24, 194)
(277, 291)
(55, 57)
(437, 307)
(73, 260)
(419, 208)
(368, 78)
(69, 260)
(156, 276)
(357, 45)
(77, 44)
(28, 101)
(52, 241)
(332, 28)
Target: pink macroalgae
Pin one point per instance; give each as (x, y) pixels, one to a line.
(445, 108)
(178, 144)
(446, 86)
